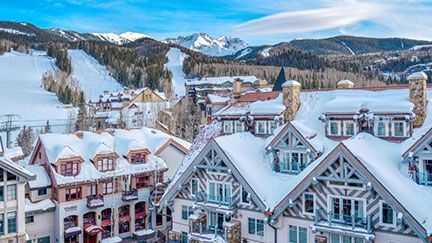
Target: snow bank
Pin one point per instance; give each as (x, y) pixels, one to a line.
(175, 65)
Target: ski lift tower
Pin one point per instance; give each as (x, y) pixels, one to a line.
(7, 125)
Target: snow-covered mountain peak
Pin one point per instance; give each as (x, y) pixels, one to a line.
(202, 42)
(121, 38)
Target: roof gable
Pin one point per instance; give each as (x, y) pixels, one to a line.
(323, 165)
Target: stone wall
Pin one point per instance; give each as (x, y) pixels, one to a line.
(291, 99)
(418, 96)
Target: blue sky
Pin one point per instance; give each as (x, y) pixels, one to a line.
(256, 21)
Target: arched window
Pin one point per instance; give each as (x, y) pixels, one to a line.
(124, 219)
(106, 223)
(89, 219)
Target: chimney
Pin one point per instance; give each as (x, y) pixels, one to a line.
(291, 99)
(418, 96)
(345, 84)
(237, 87)
(126, 91)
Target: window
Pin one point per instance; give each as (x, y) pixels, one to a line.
(342, 208)
(11, 192)
(387, 215)
(382, 129)
(256, 227)
(159, 219)
(69, 169)
(143, 182)
(194, 186)
(334, 128)
(245, 196)
(1, 224)
(239, 127)
(184, 237)
(12, 222)
(73, 193)
(308, 203)
(272, 125)
(219, 192)
(349, 128)
(399, 129)
(297, 234)
(11, 177)
(42, 191)
(293, 161)
(107, 188)
(29, 219)
(186, 211)
(228, 126)
(45, 239)
(138, 158)
(261, 127)
(1, 194)
(105, 164)
(336, 238)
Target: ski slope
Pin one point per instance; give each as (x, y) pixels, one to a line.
(22, 94)
(91, 77)
(175, 65)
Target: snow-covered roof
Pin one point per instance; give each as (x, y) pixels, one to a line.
(222, 79)
(248, 155)
(417, 75)
(42, 177)
(217, 98)
(267, 107)
(16, 169)
(15, 152)
(291, 83)
(38, 206)
(345, 81)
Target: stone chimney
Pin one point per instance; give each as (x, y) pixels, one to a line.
(418, 96)
(345, 84)
(291, 99)
(237, 86)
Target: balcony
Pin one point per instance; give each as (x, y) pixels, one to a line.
(207, 233)
(328, 221)
(95, 201)
(130, 195)
(217, 200)
(423, 178)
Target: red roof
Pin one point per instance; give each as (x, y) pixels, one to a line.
(259, 96)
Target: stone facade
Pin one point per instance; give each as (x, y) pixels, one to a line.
(233, 230)
(291, 99)
(418, 96)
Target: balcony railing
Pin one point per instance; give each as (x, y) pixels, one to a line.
(423, 178)
(213, 199)
(208, 231)
(352, 221)
(130, 195)
(95, 201)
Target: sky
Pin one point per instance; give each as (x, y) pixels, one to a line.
(255, 21)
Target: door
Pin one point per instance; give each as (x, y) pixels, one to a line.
(90, 238)
(220, 220)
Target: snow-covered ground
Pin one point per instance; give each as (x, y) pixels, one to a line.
(349, 48)
(92, 77)
(175, 65)
(266, 52)
(22, 94)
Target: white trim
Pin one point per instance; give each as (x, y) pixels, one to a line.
(304, 201)
(346, 197)
(228, 124)
(265, 127)
(222, 183)
(297, 233)
(235, 126)
(241, 197)
(380, 215)
(345, 186)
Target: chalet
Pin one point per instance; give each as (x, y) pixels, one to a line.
(86, 178)
(301, 184)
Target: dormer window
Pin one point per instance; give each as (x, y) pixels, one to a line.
(292, 161)
(228, 126)
(69, 169)
(138, 158)
(334, 128)
(105, 164)
(239, 126)
(349, 128)
(398, 129)
(382, 130)
(261, 127)
(272, 125)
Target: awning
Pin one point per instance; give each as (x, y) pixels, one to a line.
(124, 219)
(93, 229)
(140, 215)
(72, 231)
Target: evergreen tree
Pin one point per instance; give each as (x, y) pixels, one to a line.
(47, 128)
(82, 119)
(25, 140)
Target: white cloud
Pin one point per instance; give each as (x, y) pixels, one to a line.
(403, 18)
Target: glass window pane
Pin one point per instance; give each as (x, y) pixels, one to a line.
(302, 235)
(251, 226)
(260, 227)
(293, 234)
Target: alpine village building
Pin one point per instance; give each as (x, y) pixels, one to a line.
(99, 187)
(344, 165)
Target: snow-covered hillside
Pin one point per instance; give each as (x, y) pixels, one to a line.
(120, 39)
(202, 42)
(175, 65)
(21, 92)
(91, 77)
